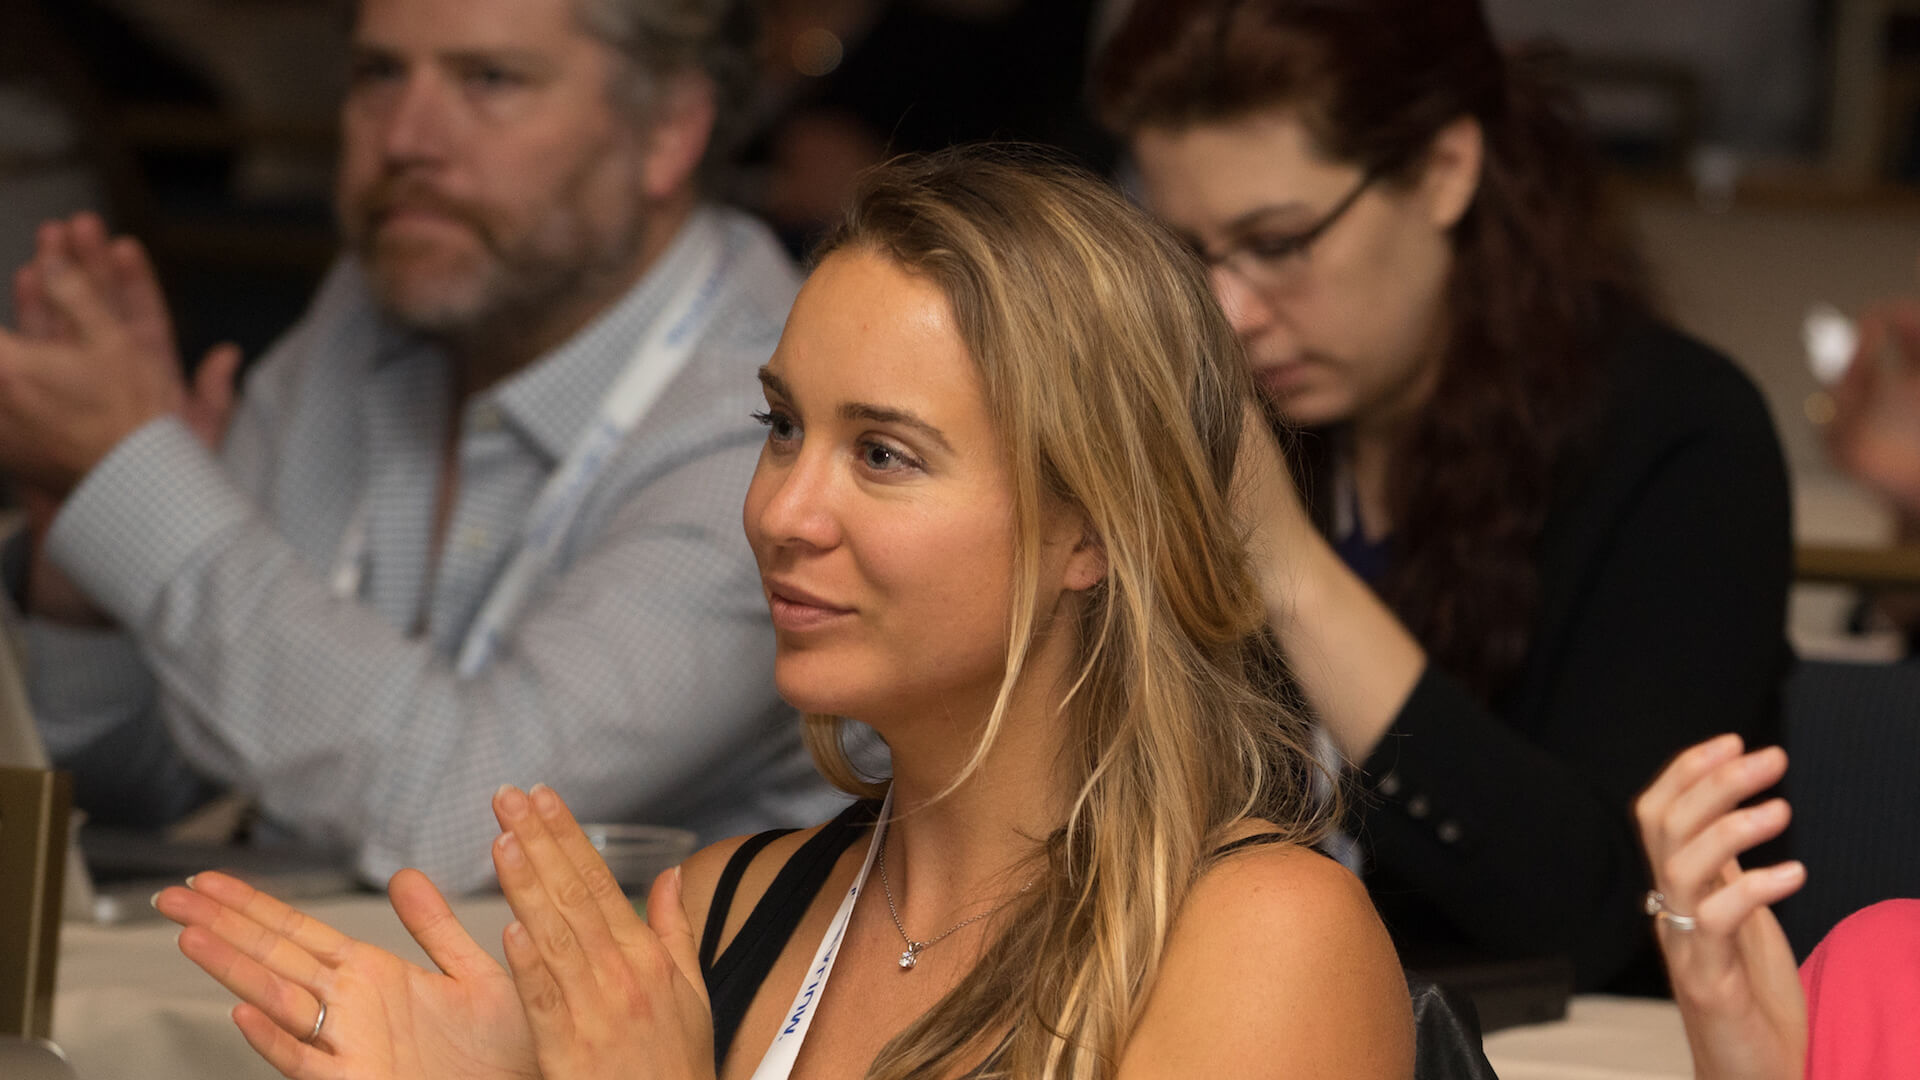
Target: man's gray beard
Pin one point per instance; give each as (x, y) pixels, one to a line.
(503, 296)
(512, 295)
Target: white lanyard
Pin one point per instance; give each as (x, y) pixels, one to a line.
(777, 1064)
(659, 357)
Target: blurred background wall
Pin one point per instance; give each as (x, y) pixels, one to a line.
(1768, 149)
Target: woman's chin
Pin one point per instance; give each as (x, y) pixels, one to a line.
(810, 694)
(1308, 408)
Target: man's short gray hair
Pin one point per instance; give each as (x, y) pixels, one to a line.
(667, 37)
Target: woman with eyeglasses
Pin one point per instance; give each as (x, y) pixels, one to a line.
(1534, 540)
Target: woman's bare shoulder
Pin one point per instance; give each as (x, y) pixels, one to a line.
(1282, 885)
(1279, 957)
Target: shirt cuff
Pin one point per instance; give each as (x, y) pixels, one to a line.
(80, 680)
(149, 507)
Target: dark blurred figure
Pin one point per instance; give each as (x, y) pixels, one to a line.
(851, 82)
(1535, 541)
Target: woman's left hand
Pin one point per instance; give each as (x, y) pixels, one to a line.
(319, 1005)
(606, 994)
(1732, 969)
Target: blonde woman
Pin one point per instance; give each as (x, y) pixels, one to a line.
(991, 518)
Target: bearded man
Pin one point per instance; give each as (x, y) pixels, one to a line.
(475, 519)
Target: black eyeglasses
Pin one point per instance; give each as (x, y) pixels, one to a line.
(1273, 264)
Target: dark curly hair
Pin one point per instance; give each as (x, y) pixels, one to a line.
(1542, 266)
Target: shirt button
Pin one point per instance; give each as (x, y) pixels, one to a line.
(473, 537)
(1448, 831)
(1389, 784)
(1418, 807)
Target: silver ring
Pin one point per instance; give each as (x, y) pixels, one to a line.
(317, 1021)
(1656, 906)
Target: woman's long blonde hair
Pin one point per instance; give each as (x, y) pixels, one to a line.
(1118, 387)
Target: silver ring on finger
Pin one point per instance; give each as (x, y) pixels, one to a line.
(1656, 906)
(317, 1021)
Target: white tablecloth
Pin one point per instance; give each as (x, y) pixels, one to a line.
(129, 1005)
(1602, 1038)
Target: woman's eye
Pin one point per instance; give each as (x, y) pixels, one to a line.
(780, 427)
(880, 457)
(1275, 248)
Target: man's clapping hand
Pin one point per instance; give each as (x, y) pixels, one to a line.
(91, 361)
(93, 358)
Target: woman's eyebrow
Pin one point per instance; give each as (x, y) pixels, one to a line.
(1260, 215)
(774, 383)
(879, 414)
(860, 410)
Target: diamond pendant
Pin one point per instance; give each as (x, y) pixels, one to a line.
(909, 958)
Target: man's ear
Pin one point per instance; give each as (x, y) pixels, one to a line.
(1451, 175)
(682, 127)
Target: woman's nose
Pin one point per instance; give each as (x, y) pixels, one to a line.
(791, 503)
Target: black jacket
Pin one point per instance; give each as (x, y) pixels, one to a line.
(1506, 830)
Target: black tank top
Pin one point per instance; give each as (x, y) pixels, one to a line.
(735, 976)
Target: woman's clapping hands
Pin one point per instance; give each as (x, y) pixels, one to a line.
(606, 995)
(386, 1018)
(594, 990)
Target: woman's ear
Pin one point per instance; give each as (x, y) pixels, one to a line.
(1451, 175)
(1087, 563)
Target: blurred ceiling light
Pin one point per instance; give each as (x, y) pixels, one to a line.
(817, 52)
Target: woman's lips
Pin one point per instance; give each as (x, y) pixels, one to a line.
(1281, 378)
(796, 609)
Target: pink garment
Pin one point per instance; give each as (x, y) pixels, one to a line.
(1863, 995)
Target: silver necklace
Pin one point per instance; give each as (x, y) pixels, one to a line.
(914, 948)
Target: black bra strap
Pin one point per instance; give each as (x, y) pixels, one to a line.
(735, 975)
(1256, 840)
(723, 891)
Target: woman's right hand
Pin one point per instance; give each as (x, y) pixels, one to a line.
(1266, 502)
(607, 993)
(1733, 974)
(1355, 660)
(385, 1018)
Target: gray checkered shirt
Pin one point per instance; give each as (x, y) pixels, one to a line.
(636, 679)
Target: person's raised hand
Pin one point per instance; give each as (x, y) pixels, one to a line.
(93, 358)
(134, 288)
(1733, 972)
(1874, 433)
(606, 994)
(118, 274)
(1266, 502)
(50, 593)
(385, 1018)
